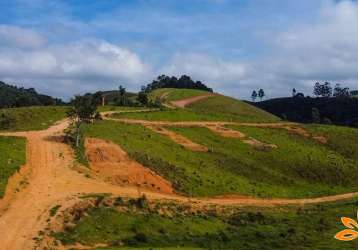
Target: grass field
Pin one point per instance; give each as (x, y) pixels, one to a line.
(12, 157)
(309, 227)
(30, 118)
(299, 167)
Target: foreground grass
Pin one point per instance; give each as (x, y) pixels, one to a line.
(298, 168)
(12, 157)
(310, 227)
(31, 118)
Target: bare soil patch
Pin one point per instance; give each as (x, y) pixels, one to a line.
(111, 163)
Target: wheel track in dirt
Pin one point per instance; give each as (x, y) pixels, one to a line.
(52, 181)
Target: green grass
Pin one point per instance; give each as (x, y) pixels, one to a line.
(176, 94)
(216, 108)
(340, 139)
(12, 157)
(31, 118)
(118, 108)
(298, 168)
(310, 227)
(231, 109)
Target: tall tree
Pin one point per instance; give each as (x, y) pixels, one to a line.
(254, 95)
(261, 94)
(84, 109)
(294, 92)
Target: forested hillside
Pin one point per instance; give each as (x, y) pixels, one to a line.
(339, 111)
(12, 96)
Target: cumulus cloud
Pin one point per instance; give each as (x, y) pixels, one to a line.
(276, 57)
(69, 68)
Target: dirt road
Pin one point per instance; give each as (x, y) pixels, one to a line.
(48, 179)
(185, 102)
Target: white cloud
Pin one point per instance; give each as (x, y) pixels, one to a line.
(20, 37)
(70, 68)
(209, 69)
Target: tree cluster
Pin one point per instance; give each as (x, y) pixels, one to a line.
(184, 82)
(260, 94)
(325, 90)
(12, 96)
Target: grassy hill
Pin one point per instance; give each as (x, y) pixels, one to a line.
(298, 167)
(215, 108)
(30, 118)
(12, 157)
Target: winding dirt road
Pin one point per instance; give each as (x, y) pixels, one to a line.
(48, 179)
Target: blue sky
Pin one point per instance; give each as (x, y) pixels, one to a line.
(73, 46)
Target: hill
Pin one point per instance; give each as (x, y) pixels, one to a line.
(219, 145)
(214, 107)
(12, 96)
(339, 111)
(30, 118)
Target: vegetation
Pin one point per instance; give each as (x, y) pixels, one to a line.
(215, 108)
(299, 167)
(169, 227)
(340, 139)
(184, 82)
(339, 111)
(171, 94)
(30, 118)
(12, 157)
(12, 96)
(231, 109)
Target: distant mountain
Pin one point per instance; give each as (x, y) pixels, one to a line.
(12, 96)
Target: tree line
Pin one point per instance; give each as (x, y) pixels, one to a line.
(12, 96)
(331, 106)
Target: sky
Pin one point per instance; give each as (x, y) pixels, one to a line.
(67, 47)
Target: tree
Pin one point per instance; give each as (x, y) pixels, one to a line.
(323, 90)
(122, 99)
(84, 109)
(294, 92)
(340, 92)
(317, 89)
(261, 94)
(326, 90)
(254, 95)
